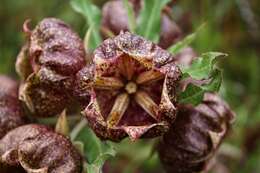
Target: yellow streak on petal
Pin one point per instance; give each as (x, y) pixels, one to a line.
(108, 83)
(146, 102)
(121, 104)
(149, 76)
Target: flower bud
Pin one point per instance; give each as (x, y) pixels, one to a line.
(195, 136)
(115, 19)
(36, 148)
(11, 113)
(48, 63)
(186, 56)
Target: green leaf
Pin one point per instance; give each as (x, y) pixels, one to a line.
(150, 19)
(79, 146)
(93, 16)
(131, 16)
(176, 48)
(194, 94)
(202, 66)
(95, 150)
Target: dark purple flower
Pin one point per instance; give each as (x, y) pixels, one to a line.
(48, 64)
(11, 113)
(195, 135)
(132, 87)
(36, 148)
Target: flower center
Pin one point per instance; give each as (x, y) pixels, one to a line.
(131, 87)
(138, 88)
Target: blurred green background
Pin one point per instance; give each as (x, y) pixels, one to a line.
(233, 27)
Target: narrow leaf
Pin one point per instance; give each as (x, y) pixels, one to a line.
(150, 19)
(131, 16)
(87, 38)
(176, 48)
(93, 16)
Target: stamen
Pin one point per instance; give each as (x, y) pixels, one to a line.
(146, 102)
(121, 103)
(149, 76)
(108, 83)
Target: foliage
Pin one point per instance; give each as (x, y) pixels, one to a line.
(95, 151)
(149, 19)
(93, 16)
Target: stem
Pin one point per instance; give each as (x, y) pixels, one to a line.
(75, 131)
(53, 120)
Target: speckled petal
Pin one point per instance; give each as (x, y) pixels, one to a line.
(39, 148)
(53, 44)
(42, 100)
(195, 136)
(11, 112)
(153, 76)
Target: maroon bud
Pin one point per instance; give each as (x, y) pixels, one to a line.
(52, 57)
(195, 136)
(170, 32)
(185, 56)
(133, 88)
(11, 113)
(36, 148)
(41, 99)
(115, 19)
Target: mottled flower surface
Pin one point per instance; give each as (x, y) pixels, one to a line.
(115, 19)
(48, 63)
(132, 86)
(11, 113)
(195, 135)
(36, 148)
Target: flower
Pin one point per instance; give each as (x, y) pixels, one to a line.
(11, 113)
(48, 63)
(132, 86)
(36, 148)
(195, 136)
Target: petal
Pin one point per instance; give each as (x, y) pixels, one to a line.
(146, 102)
(144, 51)
(135, 132)
(121, 104)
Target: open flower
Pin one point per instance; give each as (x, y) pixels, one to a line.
(37, 149)
(195, 135)
(48, 64)
(11, 113)
(132, 88)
